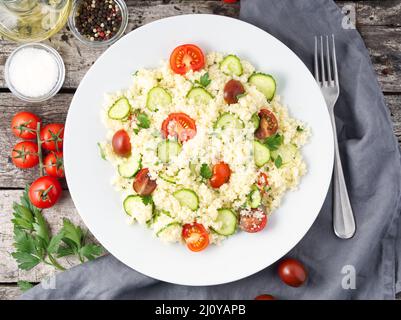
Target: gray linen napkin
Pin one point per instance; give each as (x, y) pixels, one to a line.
(372, 166)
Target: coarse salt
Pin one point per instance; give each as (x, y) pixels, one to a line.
(33, 72)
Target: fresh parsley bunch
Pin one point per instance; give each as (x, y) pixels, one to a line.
(34, 243)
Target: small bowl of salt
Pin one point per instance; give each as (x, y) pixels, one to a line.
(34, 72)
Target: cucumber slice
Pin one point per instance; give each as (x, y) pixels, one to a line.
(229, 120)
(255, 120)
(167, 178)
(168, 228)
(187, 198)
(231, 65)
(157, 97)
(130, 203)
(255, 199)
(261, 153)
(199, 95)
(192, 168)
(265, 83)
(120, 109)
(228, 221)
(287, 152)
(168, 149)
(130, 167)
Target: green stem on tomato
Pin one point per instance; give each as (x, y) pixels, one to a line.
(55, 263)
(39, 149)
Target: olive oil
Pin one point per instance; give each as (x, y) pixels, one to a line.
(32, 20)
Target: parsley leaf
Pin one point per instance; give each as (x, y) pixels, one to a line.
(300, 129)
(143, 120)
(147, 200)
(274, 142)
(24, 285)
(241, 95)
(204, 80)
(278, 162)
(205, 171)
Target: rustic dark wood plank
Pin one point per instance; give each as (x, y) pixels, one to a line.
(383, 13)
(9, 292)
(56, 110)
(384, 45)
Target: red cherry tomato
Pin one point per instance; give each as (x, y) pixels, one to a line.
(292, 272)
(187, 57)
(253, 221)
(265, 297)
(121, 143)
(143, 184)
(232, 90)
(230, 1)
(268, 124)
(25, 154)
(262, 180)
(179, 125)
(221, 174)
(44, 192)
(52, 136)
(54, 165)
(24, 125)
(196, 236)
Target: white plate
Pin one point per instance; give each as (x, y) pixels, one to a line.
(88, 176)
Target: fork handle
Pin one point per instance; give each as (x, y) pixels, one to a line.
(343, 216)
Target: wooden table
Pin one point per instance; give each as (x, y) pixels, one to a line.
(378, 21)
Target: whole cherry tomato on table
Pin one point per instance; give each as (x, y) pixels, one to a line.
(292, 272)
(187, 57)
(25, 154)
(121, 143)
(221, 175)
(52, 136)
(195, 236)
(54, 165)
(253, 221)
(265, 297)
(179, 125)
(143, 184)
(268, 124)
(24, 125)
(44, 192)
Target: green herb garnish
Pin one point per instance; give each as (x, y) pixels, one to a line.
(24, 285)
(274, 142)
(102, 154)
(300, 129)
(143, 120)
(205, 171)
(204, 80)
(278, 162)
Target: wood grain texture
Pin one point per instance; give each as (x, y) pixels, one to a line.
(9, 292)
(383, 42)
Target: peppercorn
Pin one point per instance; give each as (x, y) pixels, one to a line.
(98, 20)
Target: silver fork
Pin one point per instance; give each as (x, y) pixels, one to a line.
(327, 79)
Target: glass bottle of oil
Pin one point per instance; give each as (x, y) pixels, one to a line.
(32, 20)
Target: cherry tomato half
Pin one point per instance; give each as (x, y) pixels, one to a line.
(221, 174)
(25, 154)
(121, 143)
(179, 125)
(24, 125)
(52, 136)
(268, 124)
(265, 297)
(253, 221)
(292, 272)
(54, 165)
(232, 90)
(187, 57)
(44, 192)
(196, 236)
(143, 184)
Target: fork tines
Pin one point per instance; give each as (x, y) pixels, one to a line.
(326, 72)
